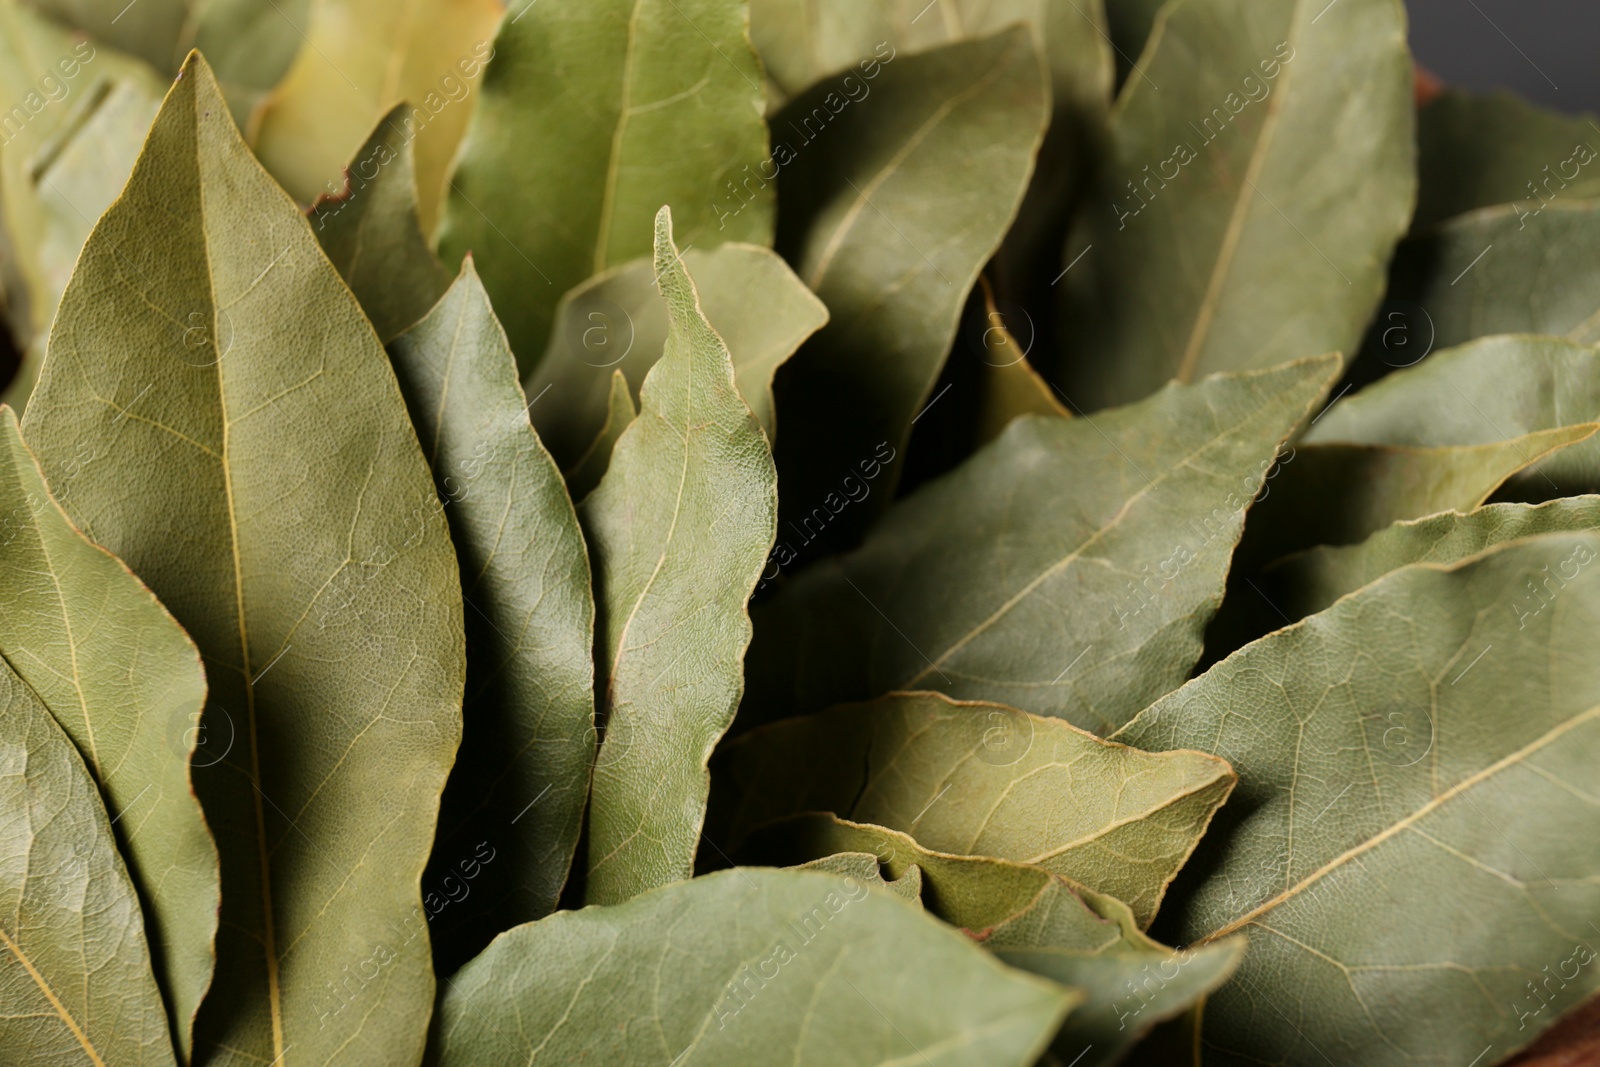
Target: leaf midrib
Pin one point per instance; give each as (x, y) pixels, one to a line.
(50, 995)
(1459, 789)
(614, 161)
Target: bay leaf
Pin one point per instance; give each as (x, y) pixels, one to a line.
(119, 675)
(1308, 582)
(361, 58)
(1338, 494)
(591, 466)
(982, 779)
(651, 102)
(1034, 920)
(1483, 393)
(729, 969)
(75, 975)
(1415, 835)
(618, 321)
(863, 866)
(522, 774)
(250, 46)
(1068, 568)
(1253, 121)
(889, 218)
(263, 478)
(372, 235)
(77, 113)
(1499, 270)
(679, 529)
(1129, 23)
(1477, 150)
(1011, 387)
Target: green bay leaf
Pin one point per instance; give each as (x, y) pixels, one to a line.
(679, 528)
(1068, 568)
(264, 480)
(1034, 920)
(517, 791)
(372, 235)
(1225, 204)
(617, 321)
(739, 967)
(891, 205)
(119, 675)
(979, 779)
(75, 973)
(1476, 151)
(1415, 841)
(651, 102)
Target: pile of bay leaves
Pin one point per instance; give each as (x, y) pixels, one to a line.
(705, 533)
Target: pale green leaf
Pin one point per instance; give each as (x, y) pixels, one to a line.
(1501, 270)
(75, 974)
(1476, 151)
(591, 466)
(618, 321)
(1308, 582)
(889, 216)
(679, 527)
(1222, 234)
(979, 779)
(372, 236)
(264, 480)
(1035, 920)
(1340, 494)
(1011, 387)
(863, 866)
(250, 45)
(593, 115)
(1414, 844)
(125, 683)
(1069, 568)
(1481, 394)
(521, 777)
(743, 967)
(363, 57)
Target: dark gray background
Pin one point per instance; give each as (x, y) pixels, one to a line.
(1545, 50)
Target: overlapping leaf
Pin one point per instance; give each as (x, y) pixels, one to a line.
(1482, 394)
(1222, 235)
(264, 479)
(372, 235)
(1500, 270)
(1416, 831)
(1477, 151)
(893, 198)
(517, 791)
(650, 102)
(1068, 568)
(1011, 387)
(362, 57)
(736, 967)
(125, 683)
(1037, 921)
(679, 528)
(1308, 582)
(75, 972)
(980, 779)
(617, 321)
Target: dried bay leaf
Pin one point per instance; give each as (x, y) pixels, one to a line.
(891, 205)
(979, 779)
(265, 481)
(119, 675)
(372, 235)
(1226, 203)
(1068, 568)
(679, 528)
(517, 791)
(729, 969)
(1415, 835)
(650, 101)
(75, 972)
